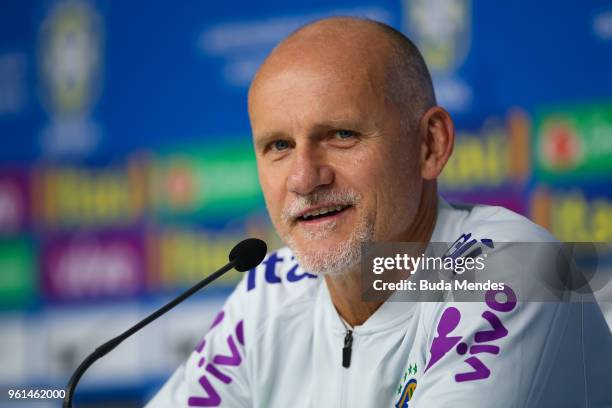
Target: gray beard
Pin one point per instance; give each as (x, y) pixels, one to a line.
(335, 262)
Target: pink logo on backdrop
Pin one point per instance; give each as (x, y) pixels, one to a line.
(93, 266)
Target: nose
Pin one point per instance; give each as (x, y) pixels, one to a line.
(309, 171)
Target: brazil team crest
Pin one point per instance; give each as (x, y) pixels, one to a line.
(407, 386)
(70, 58)
(441, 29)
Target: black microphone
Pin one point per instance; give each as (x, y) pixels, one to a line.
(247, 254)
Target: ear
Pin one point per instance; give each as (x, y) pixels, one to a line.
(437, 133)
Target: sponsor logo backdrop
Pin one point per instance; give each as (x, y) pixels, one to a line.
(126, 170)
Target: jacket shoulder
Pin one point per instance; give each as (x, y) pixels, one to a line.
(277, 286)
(502, 225)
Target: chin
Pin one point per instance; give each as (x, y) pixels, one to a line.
(331, 256)
(333, 262)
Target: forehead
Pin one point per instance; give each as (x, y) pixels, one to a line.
(318, 90)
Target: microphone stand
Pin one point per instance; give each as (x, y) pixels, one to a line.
(111, 344)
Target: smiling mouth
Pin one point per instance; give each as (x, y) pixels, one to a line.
(323, 213)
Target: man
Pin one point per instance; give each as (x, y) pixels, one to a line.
(349, 142)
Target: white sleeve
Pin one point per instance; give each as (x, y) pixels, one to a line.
(215, 374)
(506, 352)
(537, 355)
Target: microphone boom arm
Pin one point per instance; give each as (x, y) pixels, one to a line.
(113, 343)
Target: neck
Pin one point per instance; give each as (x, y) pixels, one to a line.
(346, 292)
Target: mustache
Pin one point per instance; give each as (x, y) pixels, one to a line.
(319, 198)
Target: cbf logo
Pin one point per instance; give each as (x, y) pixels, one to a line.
(70, 58)
(70, 46)
(406, 388)
(441, 29)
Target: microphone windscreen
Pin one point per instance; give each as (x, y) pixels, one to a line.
(248, 253)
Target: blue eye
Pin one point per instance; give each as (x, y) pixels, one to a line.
(280, 145)
(344, 134)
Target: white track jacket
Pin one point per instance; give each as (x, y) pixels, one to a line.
(279, 342)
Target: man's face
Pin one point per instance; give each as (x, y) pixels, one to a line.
(336, 166)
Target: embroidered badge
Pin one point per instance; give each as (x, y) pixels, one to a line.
(406, 388)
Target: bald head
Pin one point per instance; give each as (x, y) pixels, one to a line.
(342, 119)
(358, 50)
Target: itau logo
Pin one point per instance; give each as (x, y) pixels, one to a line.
(561, 147)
